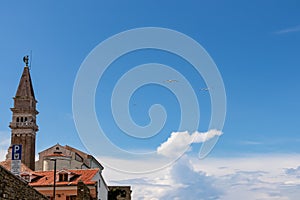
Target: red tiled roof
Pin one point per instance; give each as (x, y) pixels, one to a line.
(7, 165)
(85, 175)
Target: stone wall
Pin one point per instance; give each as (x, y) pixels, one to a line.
(11, 188)
(83, 192)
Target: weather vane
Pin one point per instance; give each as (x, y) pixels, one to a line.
(25, 60)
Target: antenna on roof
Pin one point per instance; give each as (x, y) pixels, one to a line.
(30, 59)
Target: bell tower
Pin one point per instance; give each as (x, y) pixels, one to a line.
(23, 125)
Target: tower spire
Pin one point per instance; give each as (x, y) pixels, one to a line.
(25, 88)
(23, 125)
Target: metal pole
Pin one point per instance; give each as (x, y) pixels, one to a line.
(54, 178)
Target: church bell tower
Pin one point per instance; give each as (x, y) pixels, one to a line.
(23, 125)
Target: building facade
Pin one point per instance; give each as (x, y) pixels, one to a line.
(71, 184)
(67, 158)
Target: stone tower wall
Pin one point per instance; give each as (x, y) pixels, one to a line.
(23, 125)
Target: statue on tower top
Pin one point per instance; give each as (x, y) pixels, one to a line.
(25, 60)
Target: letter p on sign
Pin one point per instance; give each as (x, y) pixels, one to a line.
(17, 152)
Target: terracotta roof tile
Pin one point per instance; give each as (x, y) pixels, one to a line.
(85, 175)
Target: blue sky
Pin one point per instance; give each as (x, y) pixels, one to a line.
(255, 45)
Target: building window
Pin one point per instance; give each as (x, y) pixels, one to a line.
(63, 177)
(57, 151)
(18, 119)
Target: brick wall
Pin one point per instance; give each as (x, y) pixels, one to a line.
(11, 188)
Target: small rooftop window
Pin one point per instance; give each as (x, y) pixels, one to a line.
(63, 177)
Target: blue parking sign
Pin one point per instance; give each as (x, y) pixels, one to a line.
(17, 152)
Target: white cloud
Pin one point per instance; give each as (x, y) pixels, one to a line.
(4, 144)
(289, 30)
(248, 142)
(145, 188)
(179, 181)
(2, 154)
(261, 177)
(179, 142)
(293, 171)
(189, 184)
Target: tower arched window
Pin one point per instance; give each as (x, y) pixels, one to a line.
(22, 119)
(25, 119)
(18, 119)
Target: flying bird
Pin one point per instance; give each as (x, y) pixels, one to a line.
(171, 81)
(205, 89)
